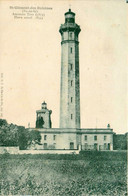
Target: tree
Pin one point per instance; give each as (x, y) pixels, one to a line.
(22, 138)
(8, 134)
(3, 122)
(28, 137)
(13, 135)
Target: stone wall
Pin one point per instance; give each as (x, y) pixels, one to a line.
(48, 152)
(10, 150)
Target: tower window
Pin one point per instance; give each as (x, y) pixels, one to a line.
(70, 35)
(71, 82)
(85, 137)
(54, 137)
(95, 137)
(45, 137)
(71, 49)
(62, 37)
(70, 66)
(71, 99)
(105, 137)
(71, 116)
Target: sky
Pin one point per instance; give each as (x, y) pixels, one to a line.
(30, 60)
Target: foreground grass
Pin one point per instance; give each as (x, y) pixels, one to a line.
(90, 173)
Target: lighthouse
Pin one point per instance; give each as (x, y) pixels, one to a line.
(70, 135)
(70, 84)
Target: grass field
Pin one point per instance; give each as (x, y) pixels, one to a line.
(90, 173)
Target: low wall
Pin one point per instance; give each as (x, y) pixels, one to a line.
(10, 150)
(48, 152)
(15, 150)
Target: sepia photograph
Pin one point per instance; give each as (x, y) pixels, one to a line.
(63, 97)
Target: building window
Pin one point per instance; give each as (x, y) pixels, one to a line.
(71, 82)
(54, 145)
(54, 137)
(71, 116)
(45, 145)
(109, 146)
(71, 99)
(86, 146)
(105, 146)
(71, 145)
(85, 137)
(105, 137)
(45, 137)
(70, 66)
(95, 137)
(95, 146)
(71, 49)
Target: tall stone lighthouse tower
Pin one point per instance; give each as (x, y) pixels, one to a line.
(70, 86)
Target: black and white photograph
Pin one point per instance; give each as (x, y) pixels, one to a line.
(63, 97)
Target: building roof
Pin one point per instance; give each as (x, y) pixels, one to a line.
(71, 130)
